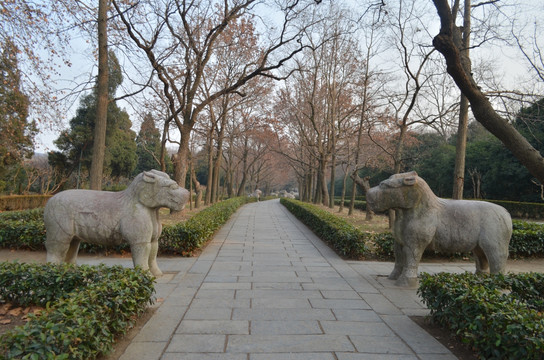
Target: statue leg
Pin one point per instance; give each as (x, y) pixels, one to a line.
(412, 256)
(153, 266)
(57, 244)
(140, 254)
(482, 265)
(71, 255)
(399, 261)
(497, 256)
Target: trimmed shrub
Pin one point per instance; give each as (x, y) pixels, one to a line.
(527, 239)
(184, 238)
(384, 245)
(86, 307)
(522, 209)
(22, 202)
(341, 236)
(499, 315)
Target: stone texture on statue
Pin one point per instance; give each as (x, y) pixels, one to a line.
(108, 218)
(425, 221)
(256, 194)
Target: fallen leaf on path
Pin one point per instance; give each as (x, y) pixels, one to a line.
(4, 309)
(15, 312)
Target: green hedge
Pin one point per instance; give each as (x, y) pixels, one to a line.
(527, 239)
(25, 230)
(86, 307)
(184, 238)
(498, 315)
(340, 235)
(522, 210)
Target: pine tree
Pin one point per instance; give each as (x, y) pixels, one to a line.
(148, 146)
(75, 144)
(16, 132)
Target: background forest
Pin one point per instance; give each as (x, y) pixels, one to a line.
(233, 96)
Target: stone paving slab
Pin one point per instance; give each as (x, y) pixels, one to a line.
(266, 288)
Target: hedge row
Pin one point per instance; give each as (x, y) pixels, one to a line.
(340, 235)
(184, 238)
(522, 210)
(25, 230)
(527, 238)
(86, 307)
(21, 202)
(500, 316)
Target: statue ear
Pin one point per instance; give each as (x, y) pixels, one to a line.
(411, 180)
(149, 177)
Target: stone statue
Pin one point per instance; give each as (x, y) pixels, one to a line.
(108, 218)
(425, 221)
(256, 194)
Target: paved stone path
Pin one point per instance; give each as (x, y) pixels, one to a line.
(267, 288)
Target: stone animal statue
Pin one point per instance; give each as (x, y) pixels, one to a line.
(425, 221)
(108, 218)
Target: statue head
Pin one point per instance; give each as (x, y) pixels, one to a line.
(155, 189)
(399, 191)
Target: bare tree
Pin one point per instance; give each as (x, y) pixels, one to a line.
(462, 129)
(179, 39)
(409, 39)
(481, 107)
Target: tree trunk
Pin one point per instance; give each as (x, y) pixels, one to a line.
(364, 185)
(244, 172)
(198, 188)
(481, 107)
(460, 149)
(333, 175)
(343, 194)
(219, 154)
(180, 160)
(323, 185)
(209, 183)
(99, 144)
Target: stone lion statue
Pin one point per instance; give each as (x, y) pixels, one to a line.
(108, 218)
(425, 221)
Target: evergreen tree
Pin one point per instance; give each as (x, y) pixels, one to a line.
(16, 132)
(75, 144)
(148, 146)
